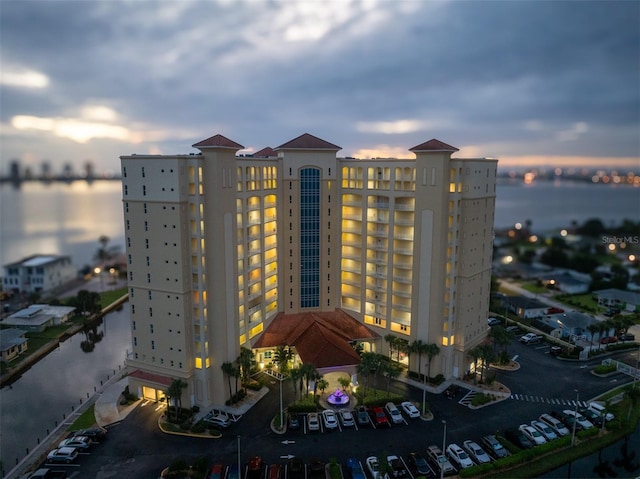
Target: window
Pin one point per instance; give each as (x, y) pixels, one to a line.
(309, 238)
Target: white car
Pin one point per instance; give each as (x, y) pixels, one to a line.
(330, 419)
(600, 410)
(580, 419)
(81, 442)
(397, 466)
(555, 424)
(374, 468)
(476, 452)
(530, 338)
(548, 433)
(409, 409)
(63, 454)
(458, 455)
(394, 413)
(346, 417)
(313, 421)
(532, 434)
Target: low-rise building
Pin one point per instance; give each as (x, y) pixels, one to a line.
(39, 317)
(38, 274)
(525, 307)
(567, 282)
(617, 298)
(13, 342)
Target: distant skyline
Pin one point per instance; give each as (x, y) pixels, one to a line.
(549, 83)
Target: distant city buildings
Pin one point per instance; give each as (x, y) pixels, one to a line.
(38, 274)
(295, 246)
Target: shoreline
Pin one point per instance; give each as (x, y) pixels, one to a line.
(15, 372)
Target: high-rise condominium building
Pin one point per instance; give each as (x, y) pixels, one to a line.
(295, 246)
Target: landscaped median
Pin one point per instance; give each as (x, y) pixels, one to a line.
(549, 456)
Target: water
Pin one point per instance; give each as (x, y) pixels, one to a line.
(621, 459)
(50, 388)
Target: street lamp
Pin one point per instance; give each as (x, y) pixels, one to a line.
(575, 419)
(98, 273)
(424, 393)
(444, 445)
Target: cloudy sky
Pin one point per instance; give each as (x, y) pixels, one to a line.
(550, 82)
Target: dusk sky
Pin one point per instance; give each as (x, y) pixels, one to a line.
(549, 82)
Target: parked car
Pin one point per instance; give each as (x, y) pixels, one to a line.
(476, 452)
(609, 340)
(556, 424)
(394, 413)
(627, 337)
(96, 434)
(397, 467)
(452, 391)
(493, 322)
(530, 338)
(82, 443)
(254, 469)
(580, 419)
(234, 472)
(216, 472)
(374, 467)
(532, 434)
(379, 417)
(63, 454)
(439, 460)
(409, 409)
(548, 433)
(316, 469)
(346, 417)
(555, 350)
(362, 416)
(494, 447)
(611, 312)
(295, 466)
(355, 468)
(221, 421)
(419, 464)
(513, 329)
(591, 416)
(567, 420)
(518, 438)
(330, 419)
(601, 411)
(293, 421)
(274, 471)
(457, 454)
(313, 421)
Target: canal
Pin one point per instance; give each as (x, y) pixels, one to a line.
(51, 389)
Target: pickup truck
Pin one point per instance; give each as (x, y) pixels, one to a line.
(530, 338)
(45, 473)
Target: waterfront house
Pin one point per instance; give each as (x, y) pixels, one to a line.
(39, 317)
(13, 342)
(38, 274)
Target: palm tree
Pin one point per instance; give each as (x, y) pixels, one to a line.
(475, 354)
(390, 371)
(309, 372)
(501, 337)
(593, 328)
(322, 384)
(402, 346)
(419, 348)
(245, 360)
(431, 350)
(228, 369)
(174, 391)
(487, 355)
(282, 356)
(391, 341)
(295, 374)
(344, 382)
(368, 362)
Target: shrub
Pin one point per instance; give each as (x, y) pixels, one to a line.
(481, 398)
(604, 368)
(178, 465)
(476, 471)
(185, 426)
(199, 427)
(201, 464)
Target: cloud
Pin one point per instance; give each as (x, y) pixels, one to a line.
(23, 78)
(393, 127)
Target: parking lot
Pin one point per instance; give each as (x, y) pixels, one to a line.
(137, 449)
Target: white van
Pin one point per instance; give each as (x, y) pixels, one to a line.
(600, 410)
(394, 413)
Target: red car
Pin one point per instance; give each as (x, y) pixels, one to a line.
(609, 340)
(379, 417)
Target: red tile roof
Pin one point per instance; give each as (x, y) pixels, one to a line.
(266, 152)
(433, 145)
(150, 377)
(321, 339)
(308, 142)
(218, 141)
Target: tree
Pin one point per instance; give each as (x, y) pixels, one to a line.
(86, 302)
(295, 374)
(391, 341)
(487, 355)
(344, 382)
(229, 370)
(501, 337)
(431, 350)
(174, 391)
(402, 346)
(246, 361)
(369, 362)
(309, 373)
(322, 384)
(282, 356)
(418, 347)
(593, 328)
(390, 371)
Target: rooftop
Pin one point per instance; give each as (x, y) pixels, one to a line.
(218, 141)
(307, 141)
(433, 145)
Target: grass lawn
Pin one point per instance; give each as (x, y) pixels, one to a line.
(581, 301)
(534, 288)
(86, 420)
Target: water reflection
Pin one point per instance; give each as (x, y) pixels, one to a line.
(53, 388)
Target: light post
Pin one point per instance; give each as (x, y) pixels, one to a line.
(281, 411)
(98, 273)
(573, 431)
(424, 394)
(444, 445)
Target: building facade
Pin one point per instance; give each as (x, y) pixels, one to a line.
(219, 245)
(38, 274)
